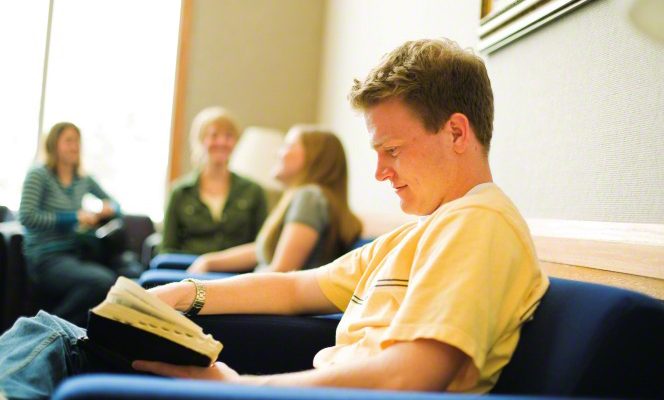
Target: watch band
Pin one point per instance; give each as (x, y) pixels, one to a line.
(199, 299)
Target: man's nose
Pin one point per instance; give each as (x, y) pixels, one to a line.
(383, 171)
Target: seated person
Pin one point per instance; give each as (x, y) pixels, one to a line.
(312, 224)
(51, 212)
(437, 304)
(212, 209)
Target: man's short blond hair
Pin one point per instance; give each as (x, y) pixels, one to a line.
(435, 78)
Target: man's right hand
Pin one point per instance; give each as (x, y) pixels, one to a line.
(179, 295)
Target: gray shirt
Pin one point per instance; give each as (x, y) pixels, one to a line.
(310, 207)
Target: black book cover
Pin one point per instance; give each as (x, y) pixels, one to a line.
(120, 344)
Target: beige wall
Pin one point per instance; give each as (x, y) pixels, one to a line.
(259, 58)
(357, 34)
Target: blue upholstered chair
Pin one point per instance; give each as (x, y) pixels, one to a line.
(585, 340)
(166, 268)
(172, 261)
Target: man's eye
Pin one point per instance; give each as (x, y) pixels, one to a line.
(391, 151)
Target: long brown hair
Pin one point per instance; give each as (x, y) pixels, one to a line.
(324, 166)
(51, 145)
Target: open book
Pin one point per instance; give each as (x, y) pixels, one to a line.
(131, 324)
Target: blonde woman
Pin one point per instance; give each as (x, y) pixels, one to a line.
(312, 224)
(212, 208)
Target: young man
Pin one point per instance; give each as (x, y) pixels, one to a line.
(433, 305)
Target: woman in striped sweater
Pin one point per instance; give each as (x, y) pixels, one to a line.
(51, 212)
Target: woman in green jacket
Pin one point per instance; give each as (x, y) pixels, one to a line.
(212, 209)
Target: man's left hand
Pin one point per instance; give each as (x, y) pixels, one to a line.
(217, 371)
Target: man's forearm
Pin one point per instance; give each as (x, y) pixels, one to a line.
(269, 293)
(420, 366)
(250, 294)
(327, 377)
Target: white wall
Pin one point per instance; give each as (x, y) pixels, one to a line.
(357, 34)
(579, 128)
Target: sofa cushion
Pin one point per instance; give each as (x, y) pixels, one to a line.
(589, 340)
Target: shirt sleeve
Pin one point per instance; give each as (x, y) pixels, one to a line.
(459, 283)
(31, 214)
(309, 207)
(339, 278)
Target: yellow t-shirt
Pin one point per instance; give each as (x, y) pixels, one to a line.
(467, 275)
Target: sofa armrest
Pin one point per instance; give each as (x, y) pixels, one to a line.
(172, 261)
(268, 344)
(121, 387)
(149, 248)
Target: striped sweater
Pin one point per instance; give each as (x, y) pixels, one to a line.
(48, 212)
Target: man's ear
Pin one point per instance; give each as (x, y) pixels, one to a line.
(459, 125)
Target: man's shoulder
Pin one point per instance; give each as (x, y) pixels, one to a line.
(392, 238)
(488, 203)
(487, 199)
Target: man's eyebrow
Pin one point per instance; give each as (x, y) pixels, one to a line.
(375, 145)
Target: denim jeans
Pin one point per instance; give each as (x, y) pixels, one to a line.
(36, 354)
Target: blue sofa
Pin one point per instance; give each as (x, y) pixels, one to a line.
(585, 340)
(166, 268)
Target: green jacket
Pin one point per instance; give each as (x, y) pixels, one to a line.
(188, 224)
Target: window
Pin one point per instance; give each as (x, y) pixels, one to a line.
(111, 71)
(22, 45)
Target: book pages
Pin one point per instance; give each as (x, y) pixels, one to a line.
(130, 304)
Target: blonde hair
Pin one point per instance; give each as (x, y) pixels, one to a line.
(324, 166)
(51, 145)
(436, 78)
(206, 117)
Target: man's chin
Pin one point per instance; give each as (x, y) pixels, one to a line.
(410, 209)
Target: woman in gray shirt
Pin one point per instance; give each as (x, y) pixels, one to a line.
(312, 224)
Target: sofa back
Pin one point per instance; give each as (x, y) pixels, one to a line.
(589, 340)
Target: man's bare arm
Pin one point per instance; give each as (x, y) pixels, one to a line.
(268, 293)
(420, 365)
